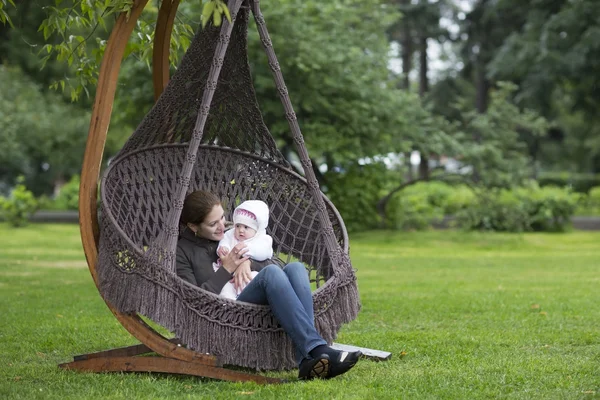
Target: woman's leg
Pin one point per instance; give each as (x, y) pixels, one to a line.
(272, 286)
(298, 277)
(339, 362)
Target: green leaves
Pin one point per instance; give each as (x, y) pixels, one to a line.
(4, 17)
(74, 39)
(214, 10)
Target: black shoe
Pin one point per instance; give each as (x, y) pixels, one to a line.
(343, 363)
(311, 368)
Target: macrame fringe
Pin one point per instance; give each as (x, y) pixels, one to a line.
(343, 309)
(252, 348)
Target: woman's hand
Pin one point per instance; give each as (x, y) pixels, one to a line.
(235, 258)
(242, 276)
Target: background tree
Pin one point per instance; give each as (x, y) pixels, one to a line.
(555, 59)
(42, 137)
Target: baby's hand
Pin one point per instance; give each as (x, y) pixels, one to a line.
(223, 251)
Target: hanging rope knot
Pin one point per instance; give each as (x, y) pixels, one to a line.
(204, 110)
(291, 116)
(183, 182)
(327, 229)
(283, 91)
(217, 62)
(172, 231)
(196, 135)
(306, 165)
(321, 207)
(178, 204)
(211, 85)
(267, 42)
(259, 18)
(299, 140)
(224, 38)
(314, 185)
(337, 253)
(274, 66)
(191, 157)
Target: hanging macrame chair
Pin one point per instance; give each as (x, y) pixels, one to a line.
(206, 132)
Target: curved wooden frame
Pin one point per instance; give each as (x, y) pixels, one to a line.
(177, 359)
(162, 45)
(174, 358)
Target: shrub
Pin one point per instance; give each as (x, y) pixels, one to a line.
(522, 209)
(498, 210)
(413, 210)
(580, 183)
(68, 197)
(590, 204)
(550, 208)
(19, 206)
(461, 197)
(420, 205)
(594, 197)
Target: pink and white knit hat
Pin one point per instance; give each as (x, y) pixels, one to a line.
(245, 217)
(252, 213)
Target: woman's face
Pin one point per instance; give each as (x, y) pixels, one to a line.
(213, 226)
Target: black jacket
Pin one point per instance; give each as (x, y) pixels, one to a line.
(195, 258)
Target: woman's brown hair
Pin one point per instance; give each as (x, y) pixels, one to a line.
(197, 206)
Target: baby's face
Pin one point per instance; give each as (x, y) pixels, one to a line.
(243, 232)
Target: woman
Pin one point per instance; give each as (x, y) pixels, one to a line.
(287, 291)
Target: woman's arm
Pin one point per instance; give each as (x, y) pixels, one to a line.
(216, 282)
(194, 265)
(184, 267)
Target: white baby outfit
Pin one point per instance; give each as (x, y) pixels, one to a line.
(254, 214)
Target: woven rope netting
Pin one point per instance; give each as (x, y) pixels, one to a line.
(206, 132)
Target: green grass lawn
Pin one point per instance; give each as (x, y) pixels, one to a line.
(465, 316)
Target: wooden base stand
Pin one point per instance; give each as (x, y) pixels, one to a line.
(132, 359)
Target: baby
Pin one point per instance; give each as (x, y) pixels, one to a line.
(250, 220)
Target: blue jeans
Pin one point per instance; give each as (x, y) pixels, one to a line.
(287, 292)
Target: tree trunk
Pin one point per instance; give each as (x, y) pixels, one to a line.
(424, 167)
(406, 42)
(3, 39)
(482, 86)
(409, 173)
(423, 89)
(423, 67)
